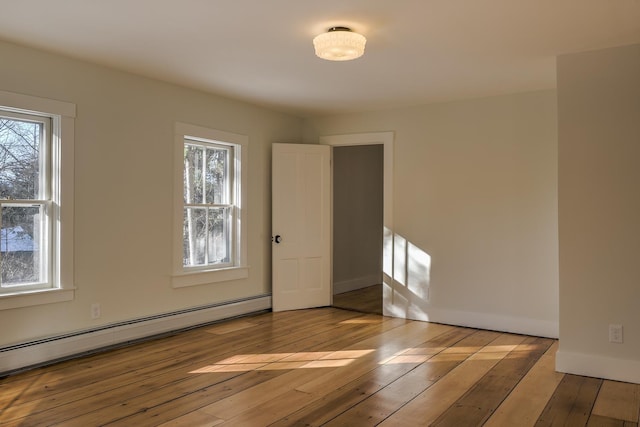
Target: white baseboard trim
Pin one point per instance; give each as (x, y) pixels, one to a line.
(494, 322)
(598, 366)
(38, 352)
(357, 283)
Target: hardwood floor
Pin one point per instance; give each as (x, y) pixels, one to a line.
(365, 300)
(325, 366)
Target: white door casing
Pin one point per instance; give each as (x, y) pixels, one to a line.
(301, 226)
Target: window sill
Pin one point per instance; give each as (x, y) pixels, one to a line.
(194, 278)
(39, 297)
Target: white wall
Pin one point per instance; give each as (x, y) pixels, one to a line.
(123, 190)
(475, 209)
(599, 211)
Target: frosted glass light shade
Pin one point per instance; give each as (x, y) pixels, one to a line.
(339, 44)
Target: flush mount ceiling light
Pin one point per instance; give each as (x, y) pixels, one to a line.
(339, 44)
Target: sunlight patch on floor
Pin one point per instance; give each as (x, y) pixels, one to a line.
(282, 361)
(417, 355)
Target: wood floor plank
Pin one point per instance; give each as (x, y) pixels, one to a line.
(140, 403)
(77, 364)
(134, 387)
(314, 380)
(241, 402)
(526, 402)
(70, 375)
(326, 406)
(366, 300)
(481, 400)
(134, 380)
(329, 380)
(571, 403)
(187, 406)
(58, 390)
(91, 410)
(427, 368)
(600, 421)
(63, 375)
(365, 380)
(227, 328)
(619, 401)
(320, 409)
(136, 403)
(430, 404)
(178, 407)
(193, 420)
(382, 347)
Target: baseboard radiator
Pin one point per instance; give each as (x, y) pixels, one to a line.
(27, 355)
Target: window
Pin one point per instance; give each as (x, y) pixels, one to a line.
(25, 202)
(35, 257)
(211, 211)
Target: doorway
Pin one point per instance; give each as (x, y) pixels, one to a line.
(385, 139)
(358, 183)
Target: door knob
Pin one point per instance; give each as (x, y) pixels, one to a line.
(277, 238)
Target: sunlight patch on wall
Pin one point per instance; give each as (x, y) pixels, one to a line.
(387, 252)
(407, 278)
(412, 267)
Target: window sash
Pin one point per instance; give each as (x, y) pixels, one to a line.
(43, 257)
(41, 241)
(199, 245)
(199, 192)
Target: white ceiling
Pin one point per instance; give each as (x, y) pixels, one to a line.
(418, 51)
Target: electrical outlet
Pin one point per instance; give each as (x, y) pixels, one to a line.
(615, 334)
(95, 311)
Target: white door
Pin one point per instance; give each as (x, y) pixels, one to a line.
(301, 226)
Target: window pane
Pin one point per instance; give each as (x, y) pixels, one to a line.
(194, 236)
(22, 256)
(219, 235)
(20, 159)
(193, 156)
(217, 181)
(206, 238)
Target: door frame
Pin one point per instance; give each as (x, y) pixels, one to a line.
(386, 140)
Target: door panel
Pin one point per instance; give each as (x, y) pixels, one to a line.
(301, 214)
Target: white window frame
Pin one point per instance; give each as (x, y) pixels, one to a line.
(62, 121)
(238, 269)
